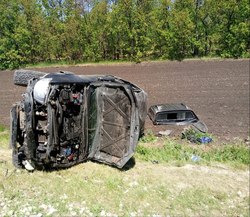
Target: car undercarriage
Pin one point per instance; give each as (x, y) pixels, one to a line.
(65, 119)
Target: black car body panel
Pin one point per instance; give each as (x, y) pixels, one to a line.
(65, 119)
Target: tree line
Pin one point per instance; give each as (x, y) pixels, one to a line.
(33, 31)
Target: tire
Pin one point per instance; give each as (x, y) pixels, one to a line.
(15, 159)
(13, 126)
(22, 76)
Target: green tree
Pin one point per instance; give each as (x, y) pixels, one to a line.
(92, 30)
(160, 32)
(73, 36)
(229, 31)
(13, 37)
(182, 28)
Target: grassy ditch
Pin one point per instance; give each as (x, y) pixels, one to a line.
(171, 151)
(154, 186)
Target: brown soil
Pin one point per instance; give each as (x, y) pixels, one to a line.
(217, 90)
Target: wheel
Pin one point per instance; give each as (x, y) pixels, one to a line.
(22, 76)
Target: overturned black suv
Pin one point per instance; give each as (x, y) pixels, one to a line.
(64, 119)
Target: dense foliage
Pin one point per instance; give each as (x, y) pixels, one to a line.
(34, 31)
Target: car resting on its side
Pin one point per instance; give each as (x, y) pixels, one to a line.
(64, 119)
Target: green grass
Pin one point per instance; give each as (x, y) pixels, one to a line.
(149, 137)
(4, 137)
(147, 189)
(173, 151)
(90, 189)
(2, 128)
(181, 152)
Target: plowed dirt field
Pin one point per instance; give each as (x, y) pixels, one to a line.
(217, 90)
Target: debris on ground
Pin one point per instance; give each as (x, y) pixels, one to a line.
(155, 161)
(165, 133)
(247, 140)
(195, 136)
(204, 139)
(195, 158)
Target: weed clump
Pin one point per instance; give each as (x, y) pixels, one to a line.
(196, 136)
(2, 128)
(148, 137)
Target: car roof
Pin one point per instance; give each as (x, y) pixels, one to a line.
(168, 107)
